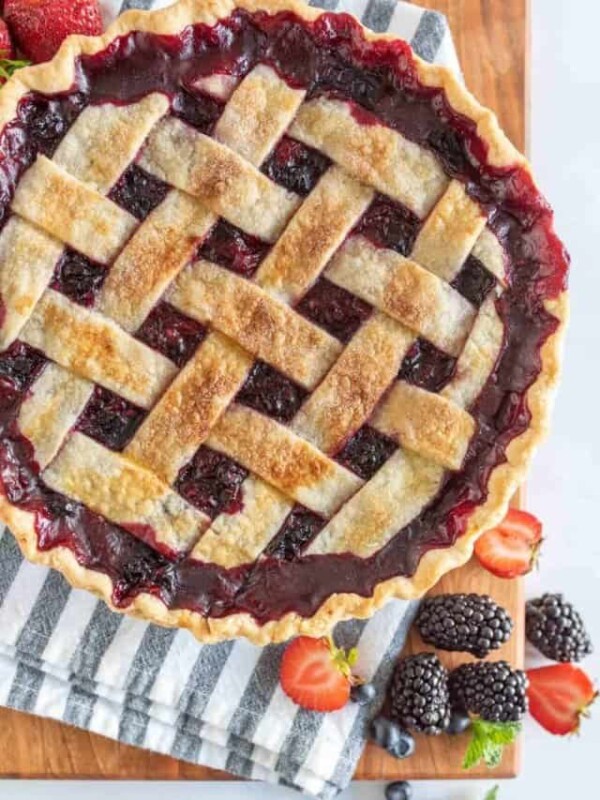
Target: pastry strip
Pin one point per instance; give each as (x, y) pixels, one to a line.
(490, 252)
(72, 211)
(125, 493)
(427, 423)
(291, 464)
(403, 486)
(346, 397)
(258, 114)
(313, 235)
(404, 290)
(449, 233)
(105, 139)
(263, 326)
(189, 409)
(28, 257)
(478, 358)
(221, 179)
(163, 244)
(366, 152)
(94, 347)
(235, 539)
(50, 410)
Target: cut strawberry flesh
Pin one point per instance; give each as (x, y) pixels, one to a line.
(510, 549)
(558, 696)
(310, 677)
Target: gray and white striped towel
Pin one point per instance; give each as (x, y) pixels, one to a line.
(64, 655)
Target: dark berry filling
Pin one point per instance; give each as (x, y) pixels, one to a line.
(474, 281)
(198, 110)
(269, 391)
(232, 248)
(212, 482)
(48, 119)
(79, 278)
(297, 532)
(39, 126)
(110, 419)
(389, 224)
(295, 166)
(366, 452)
(171, 333)
(427, 367)
(333, 308)
(379, 79)
(20, 365)
(138, 192)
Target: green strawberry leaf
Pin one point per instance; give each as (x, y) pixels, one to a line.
(488, 740)
(343, 660)
(492, 794)
(9, 66)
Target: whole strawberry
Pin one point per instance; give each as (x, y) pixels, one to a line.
(7, 51)
(40, 26)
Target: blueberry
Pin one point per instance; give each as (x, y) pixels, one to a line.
(399, 790)
(459, 723)
(363, 693)
(391, 737)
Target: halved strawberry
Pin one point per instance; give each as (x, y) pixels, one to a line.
(40, 26)
(7, 51)
(512, 548)
(559, 696)
(316, 675)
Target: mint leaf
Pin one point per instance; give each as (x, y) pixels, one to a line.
(9, 66)
(488, 740)
(492, 794)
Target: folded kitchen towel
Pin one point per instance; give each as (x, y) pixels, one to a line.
(64, 655)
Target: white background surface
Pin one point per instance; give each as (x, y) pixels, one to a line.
(565, 146)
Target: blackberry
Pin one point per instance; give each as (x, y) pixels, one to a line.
(473, 623)
(490, 690)
(419, 694)
(556, 629)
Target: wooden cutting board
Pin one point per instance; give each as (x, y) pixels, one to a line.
(492, 41)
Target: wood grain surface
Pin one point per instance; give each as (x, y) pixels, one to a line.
(492, 41)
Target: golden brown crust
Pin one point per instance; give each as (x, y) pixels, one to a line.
(449, 233)
(94, 347)
(258, 113)
(157, 251)
(189, 409)
(72, 212)
(58, 75)
(124, 493)
(366, 151)
(403, 289)
(83, 152)
(346, 397)
(226, 183)
(313, 235)
(282, 458)
(243, 311)
(426, 423)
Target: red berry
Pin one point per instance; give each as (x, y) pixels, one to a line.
(559, 696)
(315, 674)
(511, 549)
(7, 51)
(40, 26)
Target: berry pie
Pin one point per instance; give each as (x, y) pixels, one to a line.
(280, 317)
